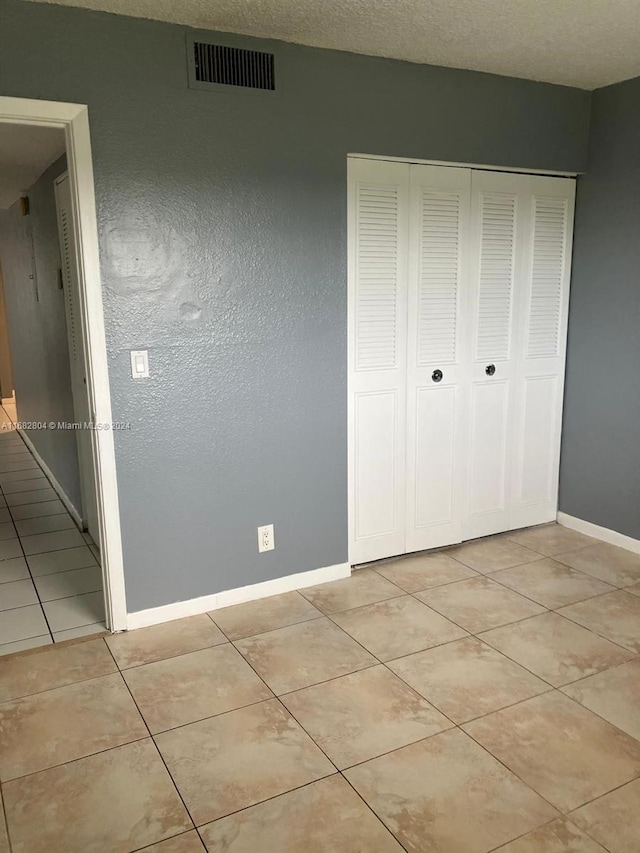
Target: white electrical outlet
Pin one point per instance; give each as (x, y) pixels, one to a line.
(266, 541)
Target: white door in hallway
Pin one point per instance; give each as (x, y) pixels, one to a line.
(458, 300)
(77, 355)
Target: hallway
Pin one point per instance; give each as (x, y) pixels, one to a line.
(50, 578)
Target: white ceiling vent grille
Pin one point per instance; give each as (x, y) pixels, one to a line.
(225, 67)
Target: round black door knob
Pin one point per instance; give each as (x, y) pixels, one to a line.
(436, 375)
(490, 369)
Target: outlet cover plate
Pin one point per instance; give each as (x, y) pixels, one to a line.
(266, 540)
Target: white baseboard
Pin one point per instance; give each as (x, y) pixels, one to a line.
(193, 606)
(73, 512)
(612, 537)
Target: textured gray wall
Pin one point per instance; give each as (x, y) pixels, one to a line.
(222, 224)
(38, 330)
(600, 462)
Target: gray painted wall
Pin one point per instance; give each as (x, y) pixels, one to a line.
(222, 222)
(38, 330)
(600, 462)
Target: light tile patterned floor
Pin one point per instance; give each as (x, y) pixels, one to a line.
(484, 698)
(50, 580)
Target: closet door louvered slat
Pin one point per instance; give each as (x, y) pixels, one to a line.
(378, 223)
(436, 354)
(547, 276)
(495, 292)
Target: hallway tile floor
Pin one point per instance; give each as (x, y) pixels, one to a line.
(483, 698)
(50, 579)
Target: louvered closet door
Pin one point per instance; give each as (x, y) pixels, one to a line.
(77, 362)
(496, 238)
(437, 355)
(541, 330)
(378, 236)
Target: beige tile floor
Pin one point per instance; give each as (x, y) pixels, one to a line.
(486, 698)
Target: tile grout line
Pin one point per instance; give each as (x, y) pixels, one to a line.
(525, 834)
(297, 721)
(151, 737)
(4, 816)
(170, 838)
(551, 687)
(509, 624)
(454, 727)
(277, 698)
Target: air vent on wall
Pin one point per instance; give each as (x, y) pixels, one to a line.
(216, 65)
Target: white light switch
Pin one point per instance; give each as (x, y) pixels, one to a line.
(139, 364)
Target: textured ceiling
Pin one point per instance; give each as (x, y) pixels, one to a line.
(25, 153)
(584, 43)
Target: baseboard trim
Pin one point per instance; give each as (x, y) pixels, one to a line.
(612, 537)
(193, 606)
(73, 512)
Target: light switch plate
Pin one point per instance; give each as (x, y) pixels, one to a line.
(139, 364)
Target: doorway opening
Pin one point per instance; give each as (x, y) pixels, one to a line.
(57, 455)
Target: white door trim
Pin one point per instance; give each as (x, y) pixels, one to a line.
(611, 537)
(74, 120)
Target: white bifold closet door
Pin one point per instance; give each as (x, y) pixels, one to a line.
(458, 296)
(541, 337)
(378, 236)
(520, 252)
(437, 355)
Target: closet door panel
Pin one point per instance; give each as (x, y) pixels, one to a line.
(376, 463)
(541, 332)
(489, 462)
(495, 238)
(536, 482)
(435, 482)
(437, 346)
(378, 199)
